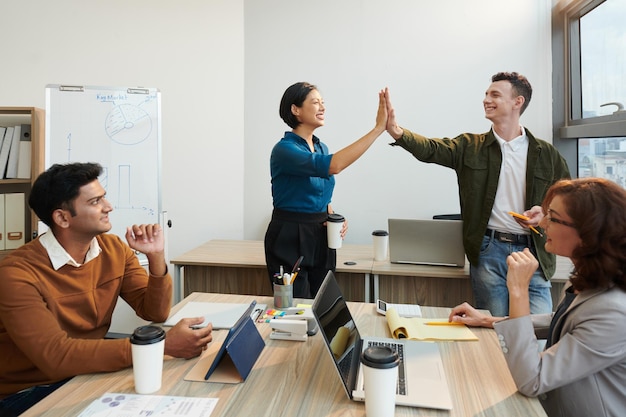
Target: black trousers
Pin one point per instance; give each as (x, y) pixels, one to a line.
(291, 235)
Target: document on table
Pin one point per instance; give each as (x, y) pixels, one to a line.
(134, 405)
(418, 328)
(221, 315)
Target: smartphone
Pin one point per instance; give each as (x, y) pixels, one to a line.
(404, 310)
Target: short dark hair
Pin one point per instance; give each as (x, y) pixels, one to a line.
(295, 94)
(59, 186)
(596, 206)
(521, 86)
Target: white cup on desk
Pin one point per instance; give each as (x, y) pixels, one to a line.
(148, 346)
(381, 244)
(380, 378)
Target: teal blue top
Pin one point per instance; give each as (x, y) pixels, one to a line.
(300, 179)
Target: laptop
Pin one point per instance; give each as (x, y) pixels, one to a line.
(426, 242)
(421, 377)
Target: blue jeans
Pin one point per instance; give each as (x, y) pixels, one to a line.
(489, 280)
(17, 403)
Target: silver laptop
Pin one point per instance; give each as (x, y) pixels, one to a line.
(421, 377)
(426, 242)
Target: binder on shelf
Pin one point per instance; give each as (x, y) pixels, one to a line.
(14, 220)
(2, 234)
(4, 151)
(14, 153)
(235, 358)
(23, 163)
(2, 132)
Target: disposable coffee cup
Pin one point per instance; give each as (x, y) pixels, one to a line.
(283, 296)
(148, 347)
(334, 223)
(380, 376)
(381, 244)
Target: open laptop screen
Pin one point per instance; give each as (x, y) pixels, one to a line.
(339, 330)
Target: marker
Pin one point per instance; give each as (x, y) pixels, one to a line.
(444, 323)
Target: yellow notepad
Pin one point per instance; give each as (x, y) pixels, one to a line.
(415, 328)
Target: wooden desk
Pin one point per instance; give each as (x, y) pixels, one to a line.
(298, 378)
(238, 267)
(443, 286)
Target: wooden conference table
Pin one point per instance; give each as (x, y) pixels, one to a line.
(238, 267)
(298, 378)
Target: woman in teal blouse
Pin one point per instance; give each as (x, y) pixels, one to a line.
(303, 170)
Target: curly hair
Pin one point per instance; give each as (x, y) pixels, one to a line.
(597, 207)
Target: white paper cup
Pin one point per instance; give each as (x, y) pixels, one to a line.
(334, 223)
(381, 244)
(380, 377)
(148, 346)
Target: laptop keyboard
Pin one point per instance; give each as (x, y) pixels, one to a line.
(399, 349)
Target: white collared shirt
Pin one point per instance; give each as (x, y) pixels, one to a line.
(511, 192)
(59, 256)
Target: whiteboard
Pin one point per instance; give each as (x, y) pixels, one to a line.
(120, 128)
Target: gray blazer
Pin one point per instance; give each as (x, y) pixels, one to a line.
(584, 374)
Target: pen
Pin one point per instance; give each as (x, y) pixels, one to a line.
(444, 323)
(296, 266)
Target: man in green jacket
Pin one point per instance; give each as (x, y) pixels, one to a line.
(504, 170)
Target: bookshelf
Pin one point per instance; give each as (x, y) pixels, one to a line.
(35, 117)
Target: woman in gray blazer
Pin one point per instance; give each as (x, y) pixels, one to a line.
(582, 371)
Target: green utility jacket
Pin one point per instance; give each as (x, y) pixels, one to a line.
(476, 159)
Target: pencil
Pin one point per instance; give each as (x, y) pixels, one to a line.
(444, 323)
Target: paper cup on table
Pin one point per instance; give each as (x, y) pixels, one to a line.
(148, 347)
(283, 296)
(380, 376)
(334, 223)
(381, 244)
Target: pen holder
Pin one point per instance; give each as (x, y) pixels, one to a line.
(283, 296)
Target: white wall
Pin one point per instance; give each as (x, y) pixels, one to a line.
(436, 57)
(222, 66)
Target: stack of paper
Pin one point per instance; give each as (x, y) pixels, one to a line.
(133, 405)
(418, 328)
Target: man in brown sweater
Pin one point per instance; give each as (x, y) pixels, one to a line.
(58, 292)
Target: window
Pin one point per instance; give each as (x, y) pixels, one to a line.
(592, 101)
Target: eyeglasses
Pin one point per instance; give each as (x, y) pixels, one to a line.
(559, 221)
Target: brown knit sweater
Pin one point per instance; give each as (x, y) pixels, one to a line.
(52, 323)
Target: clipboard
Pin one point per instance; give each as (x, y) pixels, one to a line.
(231, 362)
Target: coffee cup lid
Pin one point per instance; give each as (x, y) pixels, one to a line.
(380, 233)
(335, 218)
(147, 335)
(380, 357)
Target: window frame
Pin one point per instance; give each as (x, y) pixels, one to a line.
(568, 123)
